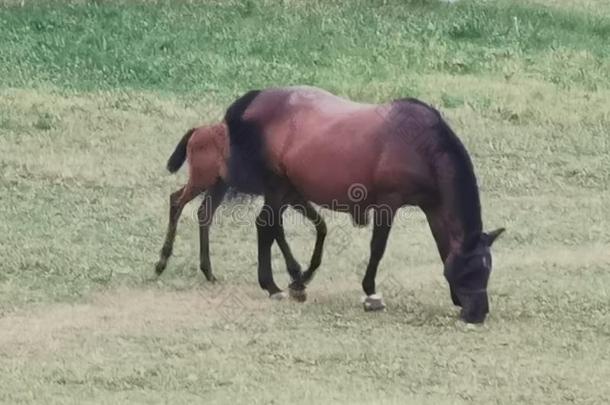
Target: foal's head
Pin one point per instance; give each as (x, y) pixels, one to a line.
(468, 274)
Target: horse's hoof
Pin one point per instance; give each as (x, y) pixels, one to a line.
(299, 295)
(278, 296)
(373, 302)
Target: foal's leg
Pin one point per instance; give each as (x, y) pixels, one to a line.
(381, 229)
(205, 214)
(267, 229)
(177, 201)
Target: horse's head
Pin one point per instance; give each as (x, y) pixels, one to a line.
(468, 274)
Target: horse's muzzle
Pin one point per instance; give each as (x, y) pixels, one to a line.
(475, 306)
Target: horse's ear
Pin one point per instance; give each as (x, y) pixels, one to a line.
(490, 237)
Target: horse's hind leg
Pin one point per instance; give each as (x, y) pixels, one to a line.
(292, 266)
(267, 225)
(305, 208)
(297, 289)
(205, 214)
(177, 200)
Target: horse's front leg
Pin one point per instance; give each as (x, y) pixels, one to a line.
(382, 224)
(205, 215)
(434, 215)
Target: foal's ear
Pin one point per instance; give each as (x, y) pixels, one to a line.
(490, 237)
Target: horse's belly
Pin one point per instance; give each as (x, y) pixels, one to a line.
(335, 195)
(331, 180)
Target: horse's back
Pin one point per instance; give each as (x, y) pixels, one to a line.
(281, 103)
(324, 143)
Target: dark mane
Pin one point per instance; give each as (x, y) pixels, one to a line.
(418, 102)
(464, 189)
(247, 166)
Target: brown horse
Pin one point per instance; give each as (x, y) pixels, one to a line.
(299, 144)
(207, 149)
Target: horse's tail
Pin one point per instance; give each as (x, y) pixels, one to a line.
(179, 156)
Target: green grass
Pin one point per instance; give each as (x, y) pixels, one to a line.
(227, 46)
(95, 95)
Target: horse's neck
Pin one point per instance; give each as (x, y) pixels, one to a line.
(456, 238)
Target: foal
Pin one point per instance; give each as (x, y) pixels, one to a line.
(299, 144)
(207, 150)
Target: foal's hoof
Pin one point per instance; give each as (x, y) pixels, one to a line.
(373, 302)
(299, 295)
(278, 296)
(210, 277)
(159, 267)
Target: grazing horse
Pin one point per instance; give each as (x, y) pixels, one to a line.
(207, 149)
(294, 145)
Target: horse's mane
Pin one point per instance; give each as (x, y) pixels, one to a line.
(463, 188)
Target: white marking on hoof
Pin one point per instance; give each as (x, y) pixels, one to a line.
(373, 302)
(278, 296)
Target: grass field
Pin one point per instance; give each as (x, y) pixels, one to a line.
(93, 97)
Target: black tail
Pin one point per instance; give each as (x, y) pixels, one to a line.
(179, 156)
